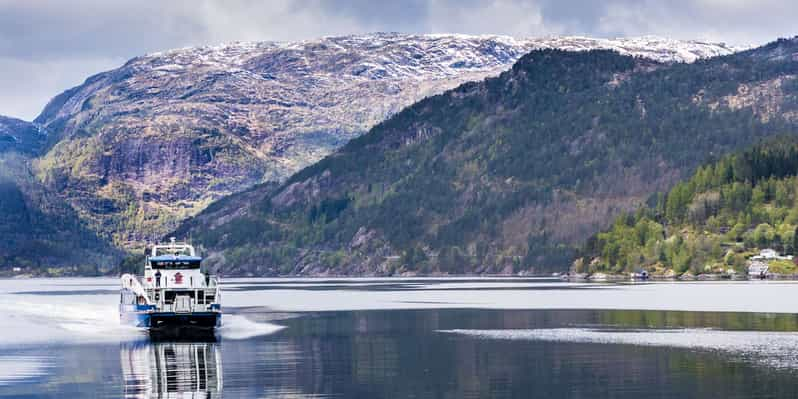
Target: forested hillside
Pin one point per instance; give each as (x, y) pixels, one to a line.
(41, 233)
(727, 211)
(506, 175)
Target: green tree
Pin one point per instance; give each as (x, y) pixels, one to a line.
(795, 241)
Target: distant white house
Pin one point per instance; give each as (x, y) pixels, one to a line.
(769, 254)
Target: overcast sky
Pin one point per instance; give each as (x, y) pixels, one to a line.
(47, 46)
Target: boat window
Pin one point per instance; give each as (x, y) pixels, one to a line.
(184, 251)
(175, 264)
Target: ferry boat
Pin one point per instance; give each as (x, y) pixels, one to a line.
(173, 293)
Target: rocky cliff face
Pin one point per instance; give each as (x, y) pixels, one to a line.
(139, 148)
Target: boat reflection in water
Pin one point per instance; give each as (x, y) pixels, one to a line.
(171, 369)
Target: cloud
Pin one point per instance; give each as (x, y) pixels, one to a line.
(47, 46)
(733, 21)
(28, 85)
(506, 17)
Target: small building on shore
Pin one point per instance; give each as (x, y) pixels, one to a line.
(769, 254)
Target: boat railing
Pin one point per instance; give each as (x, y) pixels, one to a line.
(132, 283)
(203, 297)
(214, 283)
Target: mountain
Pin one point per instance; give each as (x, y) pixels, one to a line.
(509, 174)
(41, 233)
(725, 213)
(137, 149)
(21, 136)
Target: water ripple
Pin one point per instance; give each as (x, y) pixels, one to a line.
(775, 349)
(14, 368)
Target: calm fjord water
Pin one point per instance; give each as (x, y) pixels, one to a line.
(412, 338)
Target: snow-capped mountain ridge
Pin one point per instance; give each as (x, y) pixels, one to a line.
(439, 53)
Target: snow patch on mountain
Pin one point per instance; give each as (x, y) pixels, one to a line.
(397, 56)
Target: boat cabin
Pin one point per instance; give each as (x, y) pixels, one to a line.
(174, 265)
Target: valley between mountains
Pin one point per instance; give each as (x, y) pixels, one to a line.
(380, 154)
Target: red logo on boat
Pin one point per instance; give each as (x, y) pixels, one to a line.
(178, 278)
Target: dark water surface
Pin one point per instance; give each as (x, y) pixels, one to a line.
(425, 353)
